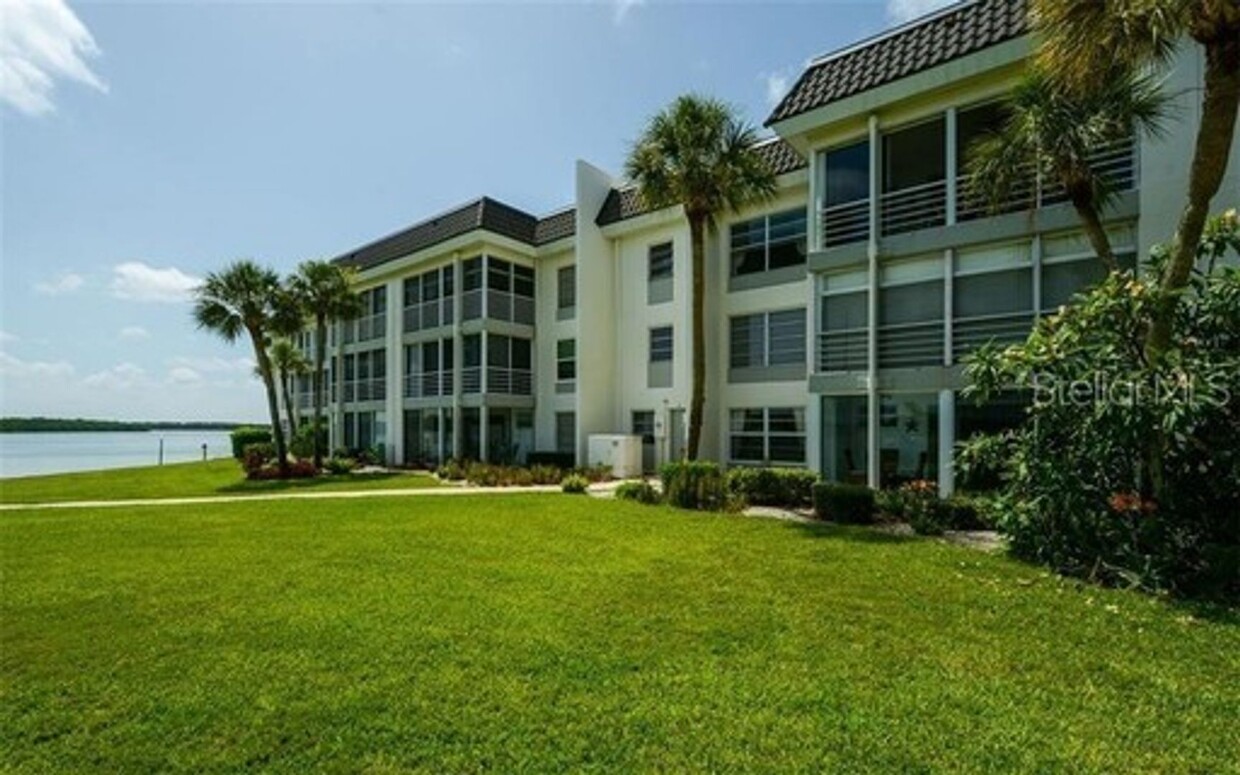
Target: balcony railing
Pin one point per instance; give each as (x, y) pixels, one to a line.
(911, 344)
(916, 207)
(513, 382)
(925, 206)
(843, 350)
(365, 390)
(428, 314)
(503, 305)
(365, 329)
(970, 333)
(471, 305)
(845, 223)
(471, 380)
(428, 384)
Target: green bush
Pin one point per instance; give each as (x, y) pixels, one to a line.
(1127, 470)
(641, 492)
(844, 503)
(594, 473)
(339, 465)
(575, 484)
(890, 505)
(699, 485)
(923, 509)
(245, 436)
(255, 456)
(790, 488)
(451, 470)
(302, 443)
(545, 474)
(965, 512)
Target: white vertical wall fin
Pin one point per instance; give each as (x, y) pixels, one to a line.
(872, 467)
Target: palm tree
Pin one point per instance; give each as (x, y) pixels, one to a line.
(242, 300)
(1052, 132)
(289, 364)
(1086, 42)
(699, 154)
(325, 293)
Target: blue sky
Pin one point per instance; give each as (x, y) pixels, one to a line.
(144, 144)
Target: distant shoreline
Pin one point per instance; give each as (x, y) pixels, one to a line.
(71, 425)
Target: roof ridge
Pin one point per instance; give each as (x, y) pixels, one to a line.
(878, 37)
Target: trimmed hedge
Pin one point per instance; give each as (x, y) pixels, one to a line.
(641, 492)
(785, 487)
(845, 503)
(575, 484)
(245, 436)
(695, 484)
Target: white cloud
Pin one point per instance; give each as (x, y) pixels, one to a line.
(123, 376)
(213, 364)
(16, 368)
(5, 336)
(184, 375)
(621, 8)
(776, 87)
(138, 281)
(134, 333)
(900, 11)
(41, 42)
(62, 284)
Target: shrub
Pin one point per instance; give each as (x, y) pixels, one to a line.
(371, 456)
(298, 469)
(844, 503)
(544, 474)
(697, 485)
(1127, 470)
(925, 513)
(786, 487)
(575, 484)
(890, 505)
(452, 470)
(642, 492)
(245, 436)
(302, 443)
(594, 473)
(965, 512)
(256, 456)
(339, 465)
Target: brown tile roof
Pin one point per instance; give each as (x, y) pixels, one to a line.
(624, 202)
(484, 213)
(954, 32)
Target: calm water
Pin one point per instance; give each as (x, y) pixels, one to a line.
(25, 454)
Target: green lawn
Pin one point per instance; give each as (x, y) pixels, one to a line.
(551, 633)
(184, 480)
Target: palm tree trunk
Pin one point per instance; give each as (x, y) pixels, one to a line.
(1219, 104)
(1095, 231)
(286, 382)
(320, 345)
(697, 228)
(273, 404)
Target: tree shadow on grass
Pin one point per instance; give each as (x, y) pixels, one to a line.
(344, 482)
(862, 534)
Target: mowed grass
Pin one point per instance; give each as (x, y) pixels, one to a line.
(186, 480)
(522, 633)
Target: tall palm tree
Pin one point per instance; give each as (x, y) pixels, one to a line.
(699, 154)
(1053, 132)
(241, 301)
(325, 293)
(289, 364)
(1088, 41)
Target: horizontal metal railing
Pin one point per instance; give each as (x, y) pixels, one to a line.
(365, 390)
(514, 382)
(846, 223)
(471, 305)
(471, 379)
(366, 329)
(970, 333)
(916, 207)
(843, 350)
(911, 344)
(428, 384)
(1115, 164)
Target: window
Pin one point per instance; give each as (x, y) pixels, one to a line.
(768, 339)
(566, 360)
(844, 342)
(566, 288)
(770, 242)
(643, 425)
(523, 281)
(771, 435)
(910, 313)
(661, 261)
(471, 274)
(915, 156)
(566, 433)
(848, 174)
(661, 344)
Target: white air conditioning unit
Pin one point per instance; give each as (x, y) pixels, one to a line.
(621, 453)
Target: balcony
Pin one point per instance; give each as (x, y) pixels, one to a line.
(910, 209)
(970, 333)
(365, 390)
(910, 344)
(428, 314)
(471, 380)
(366, 329)
(513, 382)
(428, 384)
(845, 223)
(843, 350)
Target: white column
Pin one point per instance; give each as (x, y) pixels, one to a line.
(1035, 250)
(949, 267)
(395, 398)
(484, 418)
(817, 176)
(952, 164)
(872, 450)
(458, 353)
(947, 441)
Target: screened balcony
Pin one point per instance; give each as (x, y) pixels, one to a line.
(913, 173)
(498, 290)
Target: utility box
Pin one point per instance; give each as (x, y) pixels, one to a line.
(621, 453)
